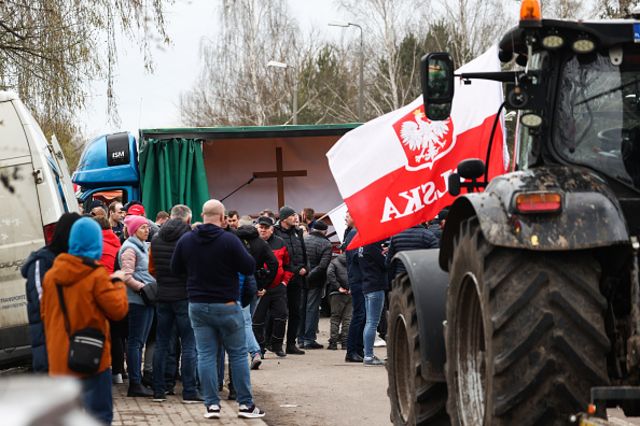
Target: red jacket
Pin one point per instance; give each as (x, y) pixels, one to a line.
(110, 246)
(279, 249)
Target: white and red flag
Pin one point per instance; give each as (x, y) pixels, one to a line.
(392, 171)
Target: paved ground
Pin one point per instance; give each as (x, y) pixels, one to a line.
(143, 412)
(318, 388)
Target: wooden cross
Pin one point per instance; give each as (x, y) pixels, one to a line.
(279, 174)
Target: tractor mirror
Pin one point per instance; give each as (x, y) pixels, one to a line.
(436, 70)
(471, 168)
(454, 184)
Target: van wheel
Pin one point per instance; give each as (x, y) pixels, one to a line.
(414, 400)
(525, 333)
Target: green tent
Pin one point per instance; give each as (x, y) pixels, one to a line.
(172, 172)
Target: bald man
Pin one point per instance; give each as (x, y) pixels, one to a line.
(212, 258)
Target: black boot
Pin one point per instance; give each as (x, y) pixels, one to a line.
(136, 389)
(293, 350)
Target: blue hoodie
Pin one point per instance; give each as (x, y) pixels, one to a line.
(212, 258)
(85, 239)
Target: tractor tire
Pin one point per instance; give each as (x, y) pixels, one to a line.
(525, 335)
(414, 400)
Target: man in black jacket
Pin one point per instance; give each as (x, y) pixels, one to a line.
(319, 254)
(294, 241)
(414, 238)
(266, 262)
(172, 309)
(355, 346)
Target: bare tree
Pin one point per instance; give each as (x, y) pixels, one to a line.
(235, 86)
(49, 49)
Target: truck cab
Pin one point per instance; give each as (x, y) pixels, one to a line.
(108, 169)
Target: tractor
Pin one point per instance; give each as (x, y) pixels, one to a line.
(529, 313)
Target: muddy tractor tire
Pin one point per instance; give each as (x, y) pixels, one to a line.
(414, 400)
(525, 333)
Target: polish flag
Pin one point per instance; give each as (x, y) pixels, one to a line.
(392, 172)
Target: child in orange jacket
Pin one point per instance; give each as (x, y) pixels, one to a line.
(91, 297)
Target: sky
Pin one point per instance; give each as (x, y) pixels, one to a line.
(150, 100)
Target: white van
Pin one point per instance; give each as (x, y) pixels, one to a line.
(35, 190)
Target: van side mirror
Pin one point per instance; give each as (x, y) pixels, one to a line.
(436, 71)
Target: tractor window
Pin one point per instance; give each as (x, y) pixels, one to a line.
(598, 115)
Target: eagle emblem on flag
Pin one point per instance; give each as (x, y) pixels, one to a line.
(424, 141)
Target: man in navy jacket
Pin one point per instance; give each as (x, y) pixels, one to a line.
(212, 259)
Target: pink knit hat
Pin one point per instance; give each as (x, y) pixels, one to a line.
(134, 222)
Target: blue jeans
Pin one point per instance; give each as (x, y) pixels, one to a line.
(252, 344)
(216, 325)
(140, 319)
(170, 314)
(97, 397)
(374, 302)
(312, 315)
(356, 328)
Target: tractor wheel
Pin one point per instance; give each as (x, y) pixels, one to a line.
(525, 333)
(414, 401)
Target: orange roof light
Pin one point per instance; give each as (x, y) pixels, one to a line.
(530, 11)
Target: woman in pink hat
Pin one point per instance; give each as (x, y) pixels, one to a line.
(134, 261)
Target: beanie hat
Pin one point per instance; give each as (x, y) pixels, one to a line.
(136, 210)
(133, 223)
(285, 212)
(319, 225)
(85, 239)
(60, 242)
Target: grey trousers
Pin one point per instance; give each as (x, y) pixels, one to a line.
(340, 314)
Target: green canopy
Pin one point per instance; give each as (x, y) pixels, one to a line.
(172, 172)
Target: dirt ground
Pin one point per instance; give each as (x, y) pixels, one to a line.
(320, 388)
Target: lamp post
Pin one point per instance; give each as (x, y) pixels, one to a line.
(361, 82)
(276, 64)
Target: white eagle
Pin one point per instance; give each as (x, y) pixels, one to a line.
(427, 136)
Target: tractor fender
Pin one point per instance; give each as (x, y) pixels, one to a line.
(429, 285)
(590, 216)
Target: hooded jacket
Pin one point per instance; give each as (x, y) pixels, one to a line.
(295, 246)
(91, 299)
(171, 287)
(266, 262)
(319, 254)
(34, 269)
(211, 258)
(110, 247)
(337, 275)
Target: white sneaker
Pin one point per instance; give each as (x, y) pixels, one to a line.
(251, 412)
(379, 343)
(117, 379)
(213, 412)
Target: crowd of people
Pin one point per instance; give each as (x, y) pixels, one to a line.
(171, 298)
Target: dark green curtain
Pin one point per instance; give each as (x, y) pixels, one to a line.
(172, 172)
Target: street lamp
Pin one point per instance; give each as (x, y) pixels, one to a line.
(276, 64)
(361, 90)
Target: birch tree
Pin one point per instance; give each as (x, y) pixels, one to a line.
(235, 85)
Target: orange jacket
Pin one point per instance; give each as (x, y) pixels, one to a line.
(90, 297)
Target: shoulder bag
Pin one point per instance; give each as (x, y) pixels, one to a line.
(85, 346)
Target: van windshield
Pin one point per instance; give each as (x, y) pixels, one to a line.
(597, 122)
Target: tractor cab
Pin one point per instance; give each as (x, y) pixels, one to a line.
(536, 279)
